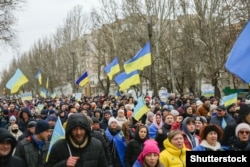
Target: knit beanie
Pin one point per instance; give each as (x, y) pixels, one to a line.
(129, 113)
(241, 126)
(175, 113)
(150, 146)
(32, 124)
(201, 118)
(12, 117)
(112, 119)
(41, 126)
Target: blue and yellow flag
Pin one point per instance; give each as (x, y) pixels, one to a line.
(140, 109)
(239, 57)
(112, 69)
(58, 133)
(140, 60)
(17, 80)
(43, 93)
(230, 99)
(39, 77)
(126, 80)
(83, 79)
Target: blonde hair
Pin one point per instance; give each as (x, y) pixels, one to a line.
(173, 133)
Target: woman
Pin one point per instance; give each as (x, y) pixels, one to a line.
(188, 111)
(7, 145)
(135, 145)
(191, 140)
(240, 142)
(210, 136)
(149, 157)
(174, 153)
(155, 126)
(15, 131)
(117, 143)
(164, 131)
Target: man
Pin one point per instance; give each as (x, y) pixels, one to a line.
(204, 109)
(222, 118)
(33, 150)
(7, 145)
(29, 132)
(78, 148)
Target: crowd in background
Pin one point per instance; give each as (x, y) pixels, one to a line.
(160, 138)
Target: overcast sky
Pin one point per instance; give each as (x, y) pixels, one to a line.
(38, 19)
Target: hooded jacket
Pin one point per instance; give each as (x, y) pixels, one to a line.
(90, 152)
(9, 160)
(173, 156)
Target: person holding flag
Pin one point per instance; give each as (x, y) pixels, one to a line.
(78, 148)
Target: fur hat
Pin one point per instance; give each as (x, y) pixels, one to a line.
(112, 119)
(241, 126)
(41, 126)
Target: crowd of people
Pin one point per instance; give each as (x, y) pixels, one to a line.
(101, 131)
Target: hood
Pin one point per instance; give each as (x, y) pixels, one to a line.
(77, 119)
(4, 134)
(137, 137)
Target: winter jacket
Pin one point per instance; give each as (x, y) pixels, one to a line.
(218, 120)
(9, 160)
(28, 150)
(134, 148)
(91, 152)
(161, 137)
(236, 145)
(173, 156)
(117, 146)
(204, 146)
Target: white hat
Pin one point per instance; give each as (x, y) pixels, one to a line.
(112, 119)
(175, 113)
(241, 126)
(12, 117)
(198, 103)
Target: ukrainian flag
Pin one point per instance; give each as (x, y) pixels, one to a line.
(126, 80)
(140, 109)
(43, 93)
(58, 133)
(112, 69)
(17, 80)
(83, 79)
(230, 99)
(140, 60)
(39, 77)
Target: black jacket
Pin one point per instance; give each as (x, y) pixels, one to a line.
(28, 150)
(91, 154)
(9, 160)
(236, 145)
(134, 148)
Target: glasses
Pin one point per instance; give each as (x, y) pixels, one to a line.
(246, 132)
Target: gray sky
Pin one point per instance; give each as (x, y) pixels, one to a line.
(38, 19)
